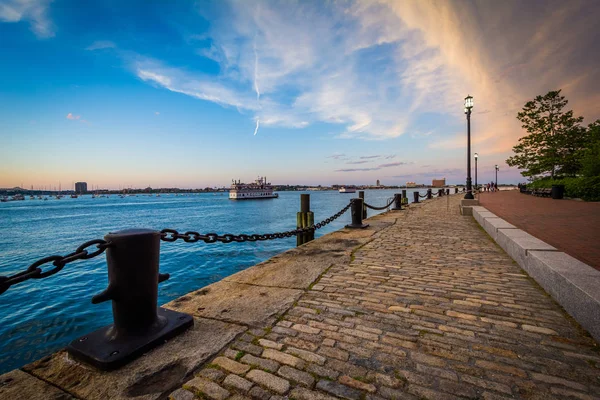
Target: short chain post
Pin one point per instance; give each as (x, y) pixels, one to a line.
(397, 202)
(429, 194)
(404, 198)
(415, 197)
(447, 191)
(139, 325)
(361, 194)
(304, 219)
(356, 211)
(455, 190)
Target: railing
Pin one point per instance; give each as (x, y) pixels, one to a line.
(133, 273)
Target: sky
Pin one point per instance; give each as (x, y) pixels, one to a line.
(195, 93)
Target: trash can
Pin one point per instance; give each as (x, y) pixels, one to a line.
(558, 191)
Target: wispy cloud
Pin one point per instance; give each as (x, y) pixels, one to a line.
(33, 11)
(356, 169)
(101, 44)
(336, 156)
(357, 162)
(156, 113)
(369, 157)
(73, 117)
(394, 164)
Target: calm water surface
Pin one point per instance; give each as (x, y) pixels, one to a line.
(38, 317)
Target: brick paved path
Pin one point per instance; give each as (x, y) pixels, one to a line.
(431, 308)
(570, 226)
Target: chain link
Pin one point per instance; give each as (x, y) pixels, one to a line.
(379, 208)
(58, 262)
(171, 235)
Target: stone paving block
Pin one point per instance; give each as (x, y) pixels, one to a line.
(517, 243)
(573, 284)
(256, 306)
(237, 382)
(153, 376)
(21, 385)
(270, 381)
(207, 388)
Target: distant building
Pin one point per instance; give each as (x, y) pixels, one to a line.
(80, 187)
(377, 184)
(411, 184)
(438, 182)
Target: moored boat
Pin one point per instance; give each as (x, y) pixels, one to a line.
(259, 189)
(347, 189)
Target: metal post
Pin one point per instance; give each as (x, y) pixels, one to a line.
(440, 192)
(447, 191)
(404, 198)
(469, 194)
(304, 219)
(415, 197)
(475, 172)
(455, 190)
(397, 202)
(361, 194)
(429, 194)
(356, 211)
(139, 326)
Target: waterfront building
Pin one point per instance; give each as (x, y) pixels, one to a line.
(80, 187)
(377, 184)
(411, 184)
(438, 182)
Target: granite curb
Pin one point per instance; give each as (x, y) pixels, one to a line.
(573, 284)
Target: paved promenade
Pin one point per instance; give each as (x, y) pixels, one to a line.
(570, 226)
(428, 308)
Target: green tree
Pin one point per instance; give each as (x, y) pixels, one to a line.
(554, 141)
(590, 156)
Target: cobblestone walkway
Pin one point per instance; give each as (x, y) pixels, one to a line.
(431, 308)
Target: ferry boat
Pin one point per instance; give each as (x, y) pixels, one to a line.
(347, 189)
(260, 189)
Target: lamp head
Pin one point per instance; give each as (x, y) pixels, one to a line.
(476, 156)
(468, 103)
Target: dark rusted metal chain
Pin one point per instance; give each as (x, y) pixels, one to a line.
(171, 235)
(379, 208)
(35, 272)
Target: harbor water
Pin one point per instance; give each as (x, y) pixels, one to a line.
(38, 317)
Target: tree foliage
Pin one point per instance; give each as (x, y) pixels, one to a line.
(590, 156)
(555, 138)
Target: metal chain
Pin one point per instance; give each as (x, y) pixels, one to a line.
(379, 208)
(425, 195)
(171, 235)
(35, 272)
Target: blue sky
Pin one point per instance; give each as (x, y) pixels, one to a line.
(193, 94)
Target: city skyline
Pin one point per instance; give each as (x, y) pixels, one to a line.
(195, 94)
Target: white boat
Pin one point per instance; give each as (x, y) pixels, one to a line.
(347, 189)
(260, 189)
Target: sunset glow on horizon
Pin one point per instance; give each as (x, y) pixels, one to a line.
(194, 94)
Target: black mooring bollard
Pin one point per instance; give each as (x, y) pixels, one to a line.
(361, 194)
(415, 197)
(440, 192)
(404, 198)
(455, 190)
(429, 194)
(139, 325)
(304, 219)
(447, 191)
(356, 211)
(397, 202)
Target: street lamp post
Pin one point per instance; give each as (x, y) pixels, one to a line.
(468, 107)
(497, 175)
(476, 157)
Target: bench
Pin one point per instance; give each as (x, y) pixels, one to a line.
(545, 192)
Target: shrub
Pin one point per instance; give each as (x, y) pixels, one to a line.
(583, 188)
